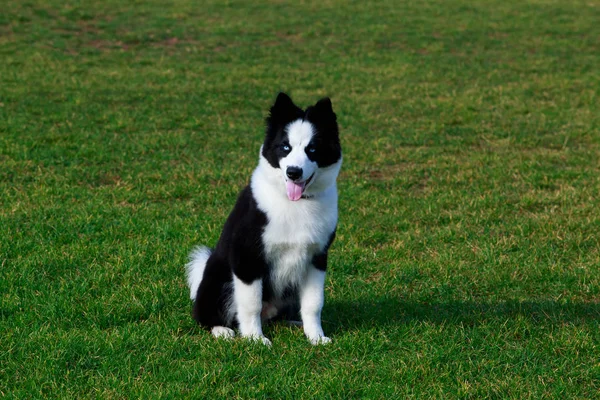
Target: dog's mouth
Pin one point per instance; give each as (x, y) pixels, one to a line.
(295, 189)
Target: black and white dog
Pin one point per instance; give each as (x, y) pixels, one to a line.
(271, 258)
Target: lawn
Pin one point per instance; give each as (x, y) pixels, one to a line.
(467, 260)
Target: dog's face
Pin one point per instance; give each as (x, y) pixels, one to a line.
(303, 145)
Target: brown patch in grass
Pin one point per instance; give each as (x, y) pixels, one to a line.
(290, 37)
(88, 26)
(107, 45)
(110, 180)
(168, 43)
(390, 171)
(374, 278)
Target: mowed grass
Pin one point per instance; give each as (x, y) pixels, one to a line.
(467, 260)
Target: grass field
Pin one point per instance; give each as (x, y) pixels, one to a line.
(467, 262)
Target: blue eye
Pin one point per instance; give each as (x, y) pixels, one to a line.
(286, 147)
(311, 149)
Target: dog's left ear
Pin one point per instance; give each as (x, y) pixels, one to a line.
(324, 109)
(324, 105)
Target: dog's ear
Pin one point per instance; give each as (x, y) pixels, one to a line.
(323, 110)
(283, 110)
(282, 101)
(324, 105)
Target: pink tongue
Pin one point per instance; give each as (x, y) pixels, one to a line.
(294, 190)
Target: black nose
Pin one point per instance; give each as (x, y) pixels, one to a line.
(294, 173)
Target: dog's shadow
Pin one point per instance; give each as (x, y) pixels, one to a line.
(340, 316)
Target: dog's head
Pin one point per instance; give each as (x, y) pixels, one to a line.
(303, 145)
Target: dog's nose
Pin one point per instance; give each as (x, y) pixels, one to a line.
(294, 173)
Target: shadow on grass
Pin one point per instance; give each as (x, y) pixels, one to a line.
(385, 311)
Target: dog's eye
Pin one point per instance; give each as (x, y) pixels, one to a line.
(311, 149)
(286, 147)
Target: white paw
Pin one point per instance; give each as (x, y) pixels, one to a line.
(316, 340)
(258, 338)
(222, 332)
(265, 341)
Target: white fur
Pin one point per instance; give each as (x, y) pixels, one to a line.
(296, 230)
(248, 303)
(195, 269)
(311, 304)
(300, 134)
(222, 332)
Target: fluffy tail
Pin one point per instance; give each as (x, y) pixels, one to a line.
(195, 269)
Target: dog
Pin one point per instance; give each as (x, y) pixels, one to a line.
(271, 257)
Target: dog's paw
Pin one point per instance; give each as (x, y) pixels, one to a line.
(265, 341)
(222, 332)
(258, 338)
(317, 340)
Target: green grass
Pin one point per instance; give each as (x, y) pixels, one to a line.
(467, 262)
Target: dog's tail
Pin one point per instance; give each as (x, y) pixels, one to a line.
(195, 269)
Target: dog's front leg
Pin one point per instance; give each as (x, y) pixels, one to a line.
(312, 297)
(248, 303)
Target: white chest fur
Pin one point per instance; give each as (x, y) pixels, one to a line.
(295, 231)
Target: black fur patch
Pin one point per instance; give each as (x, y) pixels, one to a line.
(320, 260)
(239, 251)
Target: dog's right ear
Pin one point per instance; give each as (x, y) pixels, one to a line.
(283, 101)
(283, 110)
